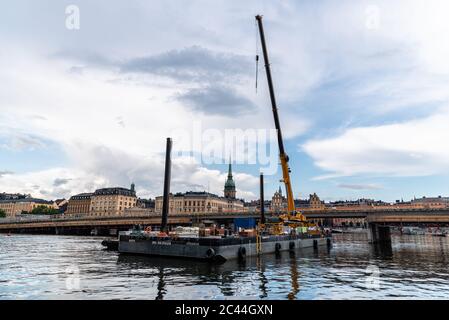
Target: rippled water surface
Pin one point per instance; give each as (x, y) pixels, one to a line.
(66, 267)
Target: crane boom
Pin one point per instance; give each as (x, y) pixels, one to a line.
(282, 154)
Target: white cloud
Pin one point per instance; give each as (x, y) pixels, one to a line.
(398, 68)
(41, 183)
(411, 148)
(85, 114)
(369, 186)
(102, 167)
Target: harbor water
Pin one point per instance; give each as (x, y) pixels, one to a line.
(68, 267)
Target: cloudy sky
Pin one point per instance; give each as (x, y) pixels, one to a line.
(362, 88)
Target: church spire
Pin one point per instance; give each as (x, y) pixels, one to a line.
(230, 169)
(229, 188)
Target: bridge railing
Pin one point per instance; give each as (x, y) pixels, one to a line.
(76, 217)
(196, 215)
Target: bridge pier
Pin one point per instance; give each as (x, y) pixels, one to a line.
(378, 233)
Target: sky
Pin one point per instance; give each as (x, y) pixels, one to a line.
(90, 90)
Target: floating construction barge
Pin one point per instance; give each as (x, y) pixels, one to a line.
(220, 246)
(216, 249)
(286, 233)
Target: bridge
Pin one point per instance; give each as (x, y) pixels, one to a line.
(371, 212)
(380, 223)
(82, 224)
(379, 220)
(411, 217)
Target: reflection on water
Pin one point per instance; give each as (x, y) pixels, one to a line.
(55, 267)
(294, 276)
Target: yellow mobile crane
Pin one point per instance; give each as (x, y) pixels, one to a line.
(292, 218)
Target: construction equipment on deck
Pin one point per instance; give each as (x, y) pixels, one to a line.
(292, 218)
(261, 225)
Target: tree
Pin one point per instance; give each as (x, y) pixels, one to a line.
(2, 213)
(44, 210)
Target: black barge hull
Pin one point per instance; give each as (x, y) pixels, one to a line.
(215, 249)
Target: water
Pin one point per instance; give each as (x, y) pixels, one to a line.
(66, 267)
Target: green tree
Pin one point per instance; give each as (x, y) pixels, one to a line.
(2, 213)
(44, 210)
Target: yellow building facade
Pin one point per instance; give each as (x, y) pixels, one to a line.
(17, 206)
(278, 202)
(79, 204)
(199, 202)
(112, 201)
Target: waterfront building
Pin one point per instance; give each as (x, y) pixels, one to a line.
(356, 204)
(278, 202)
(62, 205)
(79, 204)
(13, 196)
(145, 203)
(14, 207)
(315, 203)
(204, 202)
(254, 206)
(199, 202)
(143, 207)
(138, 211)
(431, 202)
(301, 204)
(112, 201)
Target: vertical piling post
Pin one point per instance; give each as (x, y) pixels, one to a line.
(379, 233)
(262, 201)
(167, 177)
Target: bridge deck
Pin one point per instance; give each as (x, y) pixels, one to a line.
(372, 216)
